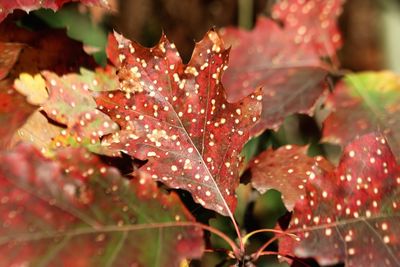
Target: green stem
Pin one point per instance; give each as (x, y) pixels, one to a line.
(245, 13)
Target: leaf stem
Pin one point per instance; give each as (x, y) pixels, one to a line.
(246, 237)
(245, 13)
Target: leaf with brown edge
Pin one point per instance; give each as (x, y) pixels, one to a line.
(176, 116)
(8, 6)
(14, 111)
(284, 60)
(76, 211)
(9, 53)
(351, 214)
(285, 169)
(362, 103)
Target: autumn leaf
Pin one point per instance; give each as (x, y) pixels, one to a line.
(75, 211)
(365, 102)
(37, 131)
(284, 60)
(43, 50)
(8, 6)
(285, 169)
(14, 111)
(71, 103)
(9, 53)
(176, 117)
(33, 87)
(315, 21)
(350, 214)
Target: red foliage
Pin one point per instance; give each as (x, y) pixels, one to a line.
(14, 111)
(76, 211)
(284, 60)
(44, 50)
(9, 53)
(286, 170)
(350, 214)
(363, 103)
(176, 116)
(8, 6)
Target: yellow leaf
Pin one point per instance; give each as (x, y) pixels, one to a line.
(184, 263)
(33, 87)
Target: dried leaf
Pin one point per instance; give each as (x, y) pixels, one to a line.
(351, 214)
(76, 211)
(365, 102)
(9, 53)
(176, 116)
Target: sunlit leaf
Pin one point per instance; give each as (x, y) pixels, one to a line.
(33, 87)
(363, 103)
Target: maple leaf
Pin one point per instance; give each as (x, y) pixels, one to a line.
(285, 61)
(268, 172)
(76, 211)
(8, 6)
(14, 111)
(363, 103)
(350, 214)
(9, 53)
(177, 117)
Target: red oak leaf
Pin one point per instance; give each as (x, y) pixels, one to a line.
(177, 117)
(285, 61)
(76, 211)
(9, 53)
(285, 169)
(365, 102)
(351, 214)
(8, 6)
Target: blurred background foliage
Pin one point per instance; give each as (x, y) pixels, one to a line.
(371, 33)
